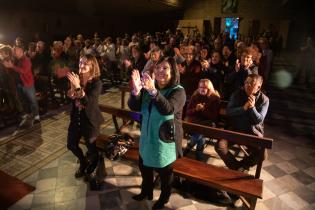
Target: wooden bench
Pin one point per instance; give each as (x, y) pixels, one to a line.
(247, 186)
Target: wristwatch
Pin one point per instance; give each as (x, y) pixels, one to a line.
(153, 92)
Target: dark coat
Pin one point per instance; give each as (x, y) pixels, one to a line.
(90, 101)
(250, 121)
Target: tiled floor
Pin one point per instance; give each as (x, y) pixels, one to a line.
(40, 158)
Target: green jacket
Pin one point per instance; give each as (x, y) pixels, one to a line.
(157, 141)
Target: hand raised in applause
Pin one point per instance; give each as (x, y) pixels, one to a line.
(135, 82)
(148, 83)
(205, 65)
(74, 79)
(237, 65)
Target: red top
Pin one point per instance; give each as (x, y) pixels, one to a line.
(25, 72)
(210, 112)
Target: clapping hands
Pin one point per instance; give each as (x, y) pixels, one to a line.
(74, 79)
(200, 107)
(205, 65)
(147, 82)
(250, 103)
(135, 82)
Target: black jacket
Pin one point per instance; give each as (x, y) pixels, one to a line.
(90, 101)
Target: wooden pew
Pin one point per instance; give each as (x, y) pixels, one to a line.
(247, 186)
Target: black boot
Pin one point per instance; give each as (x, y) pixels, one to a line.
(159, 204)
(81, 170)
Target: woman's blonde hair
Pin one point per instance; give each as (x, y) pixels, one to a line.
(210, 87)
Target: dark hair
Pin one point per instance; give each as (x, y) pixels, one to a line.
(228, 46)
(137, 48)
(19, 46)
(216, 51)
(175, 76)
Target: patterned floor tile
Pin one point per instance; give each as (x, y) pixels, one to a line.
(293, 201)
(303, 177)
(70, 193)
(310, 171)
(178, 202)
(45, 184)
(300, 164)
(290, 181)
(286, 155)
(276, 203)
(43, 199)
(274, 158)
(47, 173)
(110, 199)
(287, 167)
(15, 167)
(310, 207)
(261, 206)
(34, 157)
(24, 203)
(275, 171)
(306, 194)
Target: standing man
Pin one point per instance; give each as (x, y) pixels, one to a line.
(26, 89)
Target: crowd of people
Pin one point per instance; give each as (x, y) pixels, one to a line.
(172, 77)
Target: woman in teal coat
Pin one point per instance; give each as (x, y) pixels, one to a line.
(160, 99)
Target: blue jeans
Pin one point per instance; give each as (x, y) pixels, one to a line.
(198, 139)
(28, 96)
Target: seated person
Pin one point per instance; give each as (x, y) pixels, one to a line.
(203, 108)
(246, 112)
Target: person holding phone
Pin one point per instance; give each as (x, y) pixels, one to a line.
(85, 117)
